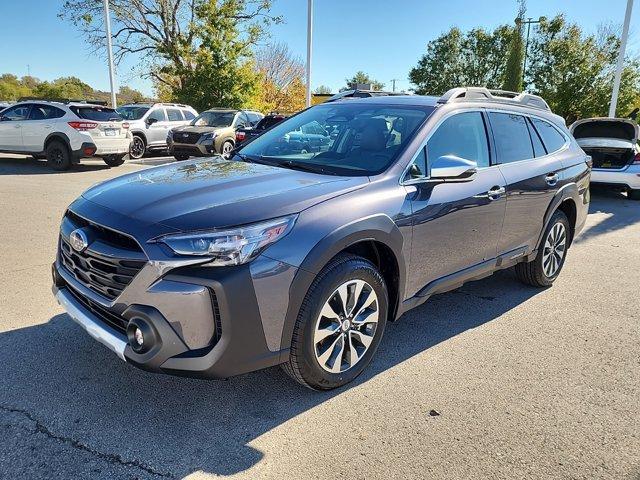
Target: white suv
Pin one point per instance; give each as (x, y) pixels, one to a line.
(150, 123)
(64, 132)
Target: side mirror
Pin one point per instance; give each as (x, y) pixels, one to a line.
(151, 121)
(452, 168)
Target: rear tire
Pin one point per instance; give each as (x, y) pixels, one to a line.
(58, 156)
(323, 361)
(633, 194)
(543, 270)
(114, 160)
(138, 148)
(181, 158)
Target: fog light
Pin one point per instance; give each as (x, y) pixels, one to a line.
(139, 337)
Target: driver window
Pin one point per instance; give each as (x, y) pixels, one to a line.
(158, 114)
(17, 113)
(463, 135)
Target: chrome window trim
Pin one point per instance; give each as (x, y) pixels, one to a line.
(487, 110)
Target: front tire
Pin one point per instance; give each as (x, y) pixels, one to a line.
(181, 158)
(543, 270)
(137, 148)
(340, 324)
(227, 146)
(114, 160)
(633, 194)
(58, 156)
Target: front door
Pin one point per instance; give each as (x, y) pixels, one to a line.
(11, 123)
(456, 225)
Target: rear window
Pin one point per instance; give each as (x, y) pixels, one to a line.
(511, 135)
(551, 137)
(97, 114)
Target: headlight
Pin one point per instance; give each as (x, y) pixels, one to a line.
(230, 247)
(208, 136)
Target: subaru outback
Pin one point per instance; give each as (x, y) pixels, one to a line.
(221, 266)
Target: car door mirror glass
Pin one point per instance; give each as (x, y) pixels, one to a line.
(151, 121)
(452, 168)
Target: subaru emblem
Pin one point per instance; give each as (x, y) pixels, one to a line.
(185, 135)
(78, 240)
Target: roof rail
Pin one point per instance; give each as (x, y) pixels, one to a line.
(470, 94)
(62, 100)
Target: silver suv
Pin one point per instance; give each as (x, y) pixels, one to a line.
(150, 123)
(299, 254)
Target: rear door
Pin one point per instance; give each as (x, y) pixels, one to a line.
(39, 125)
(456, 225)
(12, 121)
(531, 169)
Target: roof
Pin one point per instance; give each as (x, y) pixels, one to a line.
(416, 100)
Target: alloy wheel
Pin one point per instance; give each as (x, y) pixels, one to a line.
(227, 147)
(137, 148)
(554, 249)
(346, 326)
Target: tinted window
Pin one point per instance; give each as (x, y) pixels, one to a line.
(512, 138)
(268, 122)
(353, 139)
(254, 118)
(158, 114)
(188, 114)
(538, 148)
(19, 112)
(242, 120)
(45, 112)
(132, 112)
(98, 114)
(463, 135)
(214, 119)
(551, 137)
(174, 115)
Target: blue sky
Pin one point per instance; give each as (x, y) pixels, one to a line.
(384, 39)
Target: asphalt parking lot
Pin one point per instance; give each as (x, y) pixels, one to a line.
(494, 380)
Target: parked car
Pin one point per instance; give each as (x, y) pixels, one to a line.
(358, 93)
(213, 131)
(612, 144)
(64, 132)
(246, 134)
(4, 105)
(218, 267)
(150, 124)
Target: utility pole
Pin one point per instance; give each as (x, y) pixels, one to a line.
(528, 23)
(107, 22)
(309, 44)
(620, 64)
(393, 83)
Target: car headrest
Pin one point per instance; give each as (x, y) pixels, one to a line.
(374, 135)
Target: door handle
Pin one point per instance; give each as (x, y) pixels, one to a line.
(496, 192)
(551, 179)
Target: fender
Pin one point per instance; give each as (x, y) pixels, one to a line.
(380, 228)
(568, 191)
(140, 133)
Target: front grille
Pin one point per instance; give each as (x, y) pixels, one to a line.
(108, 317)
(186, 137)
(98, 269)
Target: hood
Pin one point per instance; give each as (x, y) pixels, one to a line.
(195, 129)
(214, 192)
(618, 128)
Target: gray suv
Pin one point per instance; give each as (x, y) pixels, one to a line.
(297, 256)
(150, 123)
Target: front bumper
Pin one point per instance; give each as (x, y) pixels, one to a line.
(625, 179)
(200, 149)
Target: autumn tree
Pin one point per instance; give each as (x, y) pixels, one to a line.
(197, 51)
(281, 74)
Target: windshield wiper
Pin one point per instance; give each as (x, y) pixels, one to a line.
(305, 167)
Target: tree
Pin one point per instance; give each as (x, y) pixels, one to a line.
(322, 90)
(198, 51)
(457, 59)
(281, 79)
(574, 72)
(513, 70)
(361, 77)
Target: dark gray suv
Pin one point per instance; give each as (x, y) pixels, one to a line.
(297, 255)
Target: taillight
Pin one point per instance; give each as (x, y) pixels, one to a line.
(125, 125)
(636, 159)
(83, 126)
(240, 136)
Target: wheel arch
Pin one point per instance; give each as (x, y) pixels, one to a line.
(566, 200)
(57, 136)
(376, 238)
(141, 134)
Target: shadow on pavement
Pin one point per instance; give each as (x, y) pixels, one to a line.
(32, 166)
(621, 211)
(58, 377)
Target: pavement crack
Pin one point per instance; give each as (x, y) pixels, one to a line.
(109, 457)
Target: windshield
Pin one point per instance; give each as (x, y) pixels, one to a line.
(214, 119)
(132, 112)
(340, 139)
